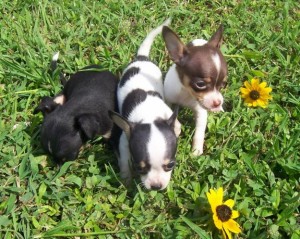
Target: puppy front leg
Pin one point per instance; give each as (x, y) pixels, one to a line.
(198, 139)
(124, 160)
(177, 128)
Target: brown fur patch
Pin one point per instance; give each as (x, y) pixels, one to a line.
(142, 164)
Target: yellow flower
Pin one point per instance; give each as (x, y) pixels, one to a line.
(223, 214)
(256, 93)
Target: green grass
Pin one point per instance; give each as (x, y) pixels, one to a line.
(253, 153)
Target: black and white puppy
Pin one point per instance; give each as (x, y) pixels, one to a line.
(148, 142)
(79, 113)
(196, 78)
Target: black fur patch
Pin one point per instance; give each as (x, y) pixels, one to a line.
(128, 74)
(141, 58)
(133, 99)
(170, 137)
(154, 93)
(140, 136)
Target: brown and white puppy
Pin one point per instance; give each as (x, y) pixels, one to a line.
(195, 80)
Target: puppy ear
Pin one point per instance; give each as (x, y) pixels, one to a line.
(217, 38)
(174, 123)
(88, 124)
(176, 48)
(120, 121)
(41, 108)
(46, 106)
(171, 121)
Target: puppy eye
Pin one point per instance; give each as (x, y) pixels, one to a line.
(169, 166)
(199, 85)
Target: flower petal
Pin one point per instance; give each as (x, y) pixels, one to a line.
(265, 92)
(226, 233)
(255, 83)
(268, 89)
(219, 196)
(265, 96)
(249, 100)
(244, 91)
(235, 214)
(263, 84)
(229, 203)
(232, 226)
(248, 85)
(211, 199)
(217, 221)
(260, 103)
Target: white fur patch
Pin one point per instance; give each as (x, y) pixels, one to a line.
(210, 97)
(201, 121)
(150, 110)
(55, 56)
(107, 134)
(157, 150)
(147, 43)
(217, 62)
(175, 92)
(60, 99)
(199, 42)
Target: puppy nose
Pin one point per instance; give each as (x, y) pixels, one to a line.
(216, 103)
(157, 186)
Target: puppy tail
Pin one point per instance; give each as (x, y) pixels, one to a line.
(54, 61)
(145, 47)
(62, 78)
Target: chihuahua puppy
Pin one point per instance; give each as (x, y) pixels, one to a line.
(149, 125)
(195, 80)
(79, 113)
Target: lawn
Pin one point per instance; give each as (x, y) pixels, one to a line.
(253, 153)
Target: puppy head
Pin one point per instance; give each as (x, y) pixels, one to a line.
(60, 139)
(202, 68)
(152, 147)
(62, 136)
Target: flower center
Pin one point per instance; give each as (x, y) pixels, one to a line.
(224, 212)
(254, 95)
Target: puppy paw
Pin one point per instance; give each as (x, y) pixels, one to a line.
(197, 148)
(197, 152)
(127, 182)
(126, 179)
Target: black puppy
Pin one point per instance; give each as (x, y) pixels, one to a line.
(79, 113)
